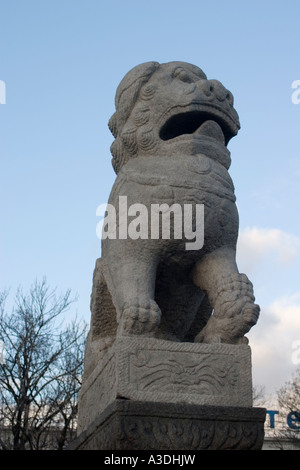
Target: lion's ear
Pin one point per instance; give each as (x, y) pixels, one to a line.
(113, 126)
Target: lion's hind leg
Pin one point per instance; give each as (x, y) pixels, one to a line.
(103, 326)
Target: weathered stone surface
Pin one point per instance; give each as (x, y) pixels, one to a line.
(147, 369)
(132, 425)
(171, 128)
(169, 316)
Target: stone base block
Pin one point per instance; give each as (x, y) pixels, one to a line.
(151, 370)
(135, 425)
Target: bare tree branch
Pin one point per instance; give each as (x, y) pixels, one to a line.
(41, 376)
(289, 403)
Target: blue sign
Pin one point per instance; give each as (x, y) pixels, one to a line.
(292, 419)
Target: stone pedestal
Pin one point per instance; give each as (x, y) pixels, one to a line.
(152, 394)
(136, 425)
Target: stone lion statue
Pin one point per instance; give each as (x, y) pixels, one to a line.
(171, 128)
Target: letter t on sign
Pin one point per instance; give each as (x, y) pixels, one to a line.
(272, 417)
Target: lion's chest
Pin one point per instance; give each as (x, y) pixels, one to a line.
(186, 179)
(143, 183)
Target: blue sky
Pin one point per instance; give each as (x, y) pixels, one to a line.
(61, 61)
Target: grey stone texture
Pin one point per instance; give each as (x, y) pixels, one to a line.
(168, 324)
(171, 129)
(147, 369)
(133, 425)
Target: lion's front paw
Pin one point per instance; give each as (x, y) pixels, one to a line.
(249, 316)
(140, 317)
(232, 329)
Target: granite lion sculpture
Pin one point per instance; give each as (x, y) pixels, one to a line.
(171, 128)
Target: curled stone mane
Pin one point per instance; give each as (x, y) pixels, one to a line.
(124, 146)
(132, 88)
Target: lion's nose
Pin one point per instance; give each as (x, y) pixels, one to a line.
(215, 89)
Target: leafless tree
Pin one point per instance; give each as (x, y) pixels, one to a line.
(40, 374)
(288, 429)
(258, 393)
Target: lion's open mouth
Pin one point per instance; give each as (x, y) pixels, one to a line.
(197, 123)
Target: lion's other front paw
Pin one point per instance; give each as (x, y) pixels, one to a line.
(140, 317)
(234, 310)
(211, 333)
(209, 337)
(249, 315)
(230, 330)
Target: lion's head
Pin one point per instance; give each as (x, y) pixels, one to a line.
(163, 107)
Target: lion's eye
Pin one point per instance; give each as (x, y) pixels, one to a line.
(182, 75)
